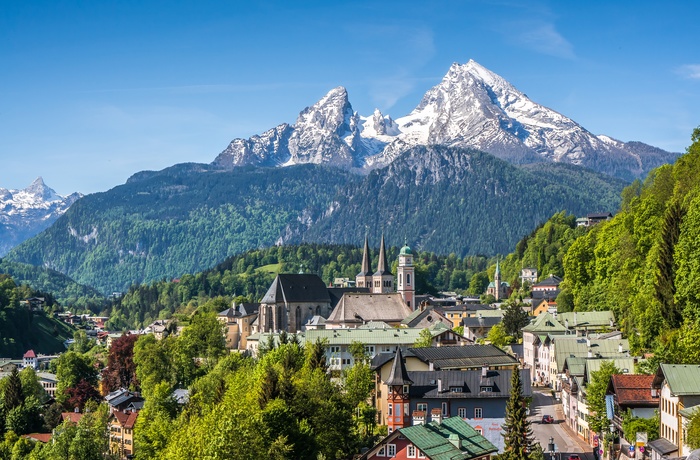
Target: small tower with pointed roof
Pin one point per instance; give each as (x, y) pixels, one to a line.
(398, 414)
(364, 278)
(382, 280)
(497, 282)
(406, 276)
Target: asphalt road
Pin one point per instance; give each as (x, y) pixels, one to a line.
(566, 441)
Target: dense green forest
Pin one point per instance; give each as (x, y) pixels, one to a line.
(187, 218)
(21, 329)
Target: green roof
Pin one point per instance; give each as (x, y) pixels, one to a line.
(688, 412)
(566, 346)
(545, 323)
(587, 319)
(436, 440)
(593, 365)
(683, 379)
(405, 250)
(489, 313)
(388, 335)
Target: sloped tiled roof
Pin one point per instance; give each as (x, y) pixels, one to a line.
(425, 384)
(545, 323)
(465, 357)
(551, 280)
(683, 379)
(29, 354)
(40, 437)
(586, 319)
(362, 307)
(570, 345)
(634, 390)
(484, 321)
(74, 417)
(593, 365)
(438, 441)
(291, 287)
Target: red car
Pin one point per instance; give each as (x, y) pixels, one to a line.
(574, 457)
(547, 419)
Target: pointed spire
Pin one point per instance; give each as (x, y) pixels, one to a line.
(399, 375)
(498, 269)
(365, 260)
(381, 265)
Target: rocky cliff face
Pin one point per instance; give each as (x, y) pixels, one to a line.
(471, 107)
(24, 213)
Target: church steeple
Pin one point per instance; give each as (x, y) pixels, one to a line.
(364, 278)
(398, 395)
(497, 281)
(383, 280)
(405, 276)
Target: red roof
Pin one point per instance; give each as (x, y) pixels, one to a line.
(634, 390)
(74, 417)
(30, 354)
(41, 437)
(126, 419)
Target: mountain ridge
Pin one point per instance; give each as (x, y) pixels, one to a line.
(26, 212)
(472, 107)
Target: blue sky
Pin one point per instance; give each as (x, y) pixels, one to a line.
(93, 92)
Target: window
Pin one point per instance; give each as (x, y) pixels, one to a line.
(398, 410)
(369, 349)
(382, 452)
(335, 349)
(390, 412)
(391, 450)
(405, 389)
(478, 412)
(411, 451)
(455, 389)
(422, 407)
(421, 454)
(444, 408)
(462, 412)
(486, 389)
(408, 278)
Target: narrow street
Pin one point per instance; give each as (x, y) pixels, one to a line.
(566, 441)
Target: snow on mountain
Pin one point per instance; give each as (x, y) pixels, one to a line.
(24, 213)
(470, 107)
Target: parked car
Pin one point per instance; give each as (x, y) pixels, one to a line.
(547, 419)
(574, 457)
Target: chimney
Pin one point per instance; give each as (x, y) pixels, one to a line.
(566, 323)
(590, 353)
(484, 371)
(454, 439)
(418, 417)
(436, 415)
(612, 323)
(619, 348)
(588, 341)
(439, 383)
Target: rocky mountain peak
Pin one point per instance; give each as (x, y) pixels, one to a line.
(41, 191)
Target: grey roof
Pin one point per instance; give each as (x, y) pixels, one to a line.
(551, 280)
(457, 357)
(468, 383)
(359, 308)
(663, 446)
(425, 318)
(181, 395)
(287, 288)
(484, 321)
(467, 307)
(398, 375)
(336, 293)
(316, 320)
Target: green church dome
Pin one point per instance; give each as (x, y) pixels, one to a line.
(405, 251)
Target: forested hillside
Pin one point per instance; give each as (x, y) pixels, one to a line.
(188, 218)
(21, 329)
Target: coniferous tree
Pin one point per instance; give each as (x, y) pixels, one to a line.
(13, 396)
(664, 287)
(518, 438)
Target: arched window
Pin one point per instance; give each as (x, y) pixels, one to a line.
(408, 279)
(297, 319)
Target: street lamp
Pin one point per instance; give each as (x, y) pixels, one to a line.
(552, 448)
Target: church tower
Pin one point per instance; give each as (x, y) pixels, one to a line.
(497, 282)
(406, 276)
(383, 280)
(398, 400)
(364, 278)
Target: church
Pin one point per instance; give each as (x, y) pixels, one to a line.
(293, 300)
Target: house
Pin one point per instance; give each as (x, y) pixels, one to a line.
(121, 433)
(593, 218)
(426, 316)
(548, 288)
(631, 392)
(29, 360)
(457, 313)
(49, 382)
(8, 365)
(470, 392)
(479, 327)
(678, 387)
(358, 308)
(38, 437)
(528, 275)
(535, 352)
(451, 438)
(238, 320)
(73, 417)
(540, 306)
(123, 400)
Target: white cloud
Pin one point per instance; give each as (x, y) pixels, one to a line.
(691, 71)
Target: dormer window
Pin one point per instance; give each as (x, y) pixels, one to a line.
(405, 389)
(455, 389)
(486, 389)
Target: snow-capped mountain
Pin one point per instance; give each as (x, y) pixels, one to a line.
(470, 107)
(24, 213)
